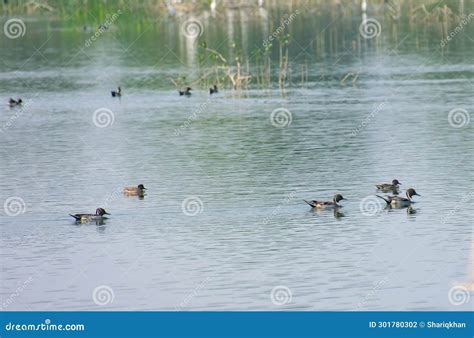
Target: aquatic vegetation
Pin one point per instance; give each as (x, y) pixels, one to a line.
(268, 62)
(232, 70)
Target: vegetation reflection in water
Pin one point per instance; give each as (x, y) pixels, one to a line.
(252, 46)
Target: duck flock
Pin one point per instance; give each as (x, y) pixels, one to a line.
(100, 213)
(392, 201)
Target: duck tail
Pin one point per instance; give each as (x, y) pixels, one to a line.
(76, 217)
(309, 203)
(385, 199)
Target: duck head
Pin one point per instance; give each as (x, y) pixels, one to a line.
(411, 192)
(337, 198)
(396, 182)
(141, 187)
(101, 212)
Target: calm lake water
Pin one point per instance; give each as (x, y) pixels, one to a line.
(224, 223)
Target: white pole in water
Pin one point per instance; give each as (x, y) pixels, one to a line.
(213, 6)
(461, 8)
(363, 5)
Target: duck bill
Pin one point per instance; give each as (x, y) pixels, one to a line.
(416, 194)
(106, 213)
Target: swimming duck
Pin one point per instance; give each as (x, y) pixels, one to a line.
(186, 92)
(326, 204)
(400, 202)
(116, 93)
(134, 191)
(387, 187)
(213, 90)
(13, 103)
(98, 216)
